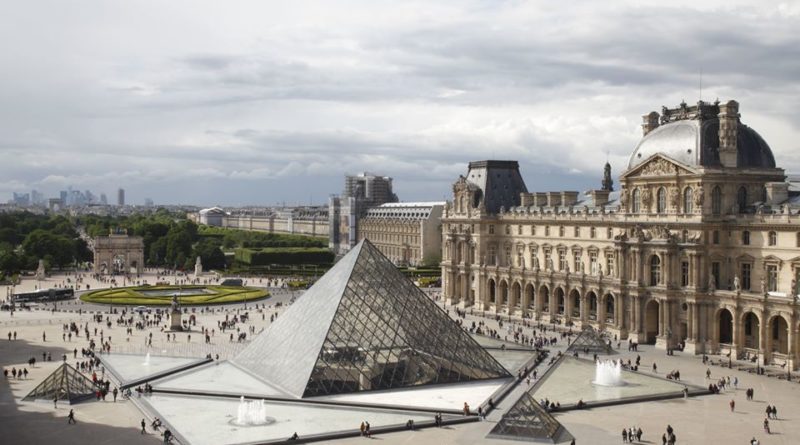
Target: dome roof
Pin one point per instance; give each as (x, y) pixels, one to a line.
(696, 143)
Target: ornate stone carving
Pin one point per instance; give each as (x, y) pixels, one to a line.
(647, 198)
(674, 196)
(699, 196)
(658, 167)
(623, 198)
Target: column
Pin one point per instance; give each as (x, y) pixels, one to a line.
(690, 322)
(619, 317)
(696, 315)
(661, 318)
(584, 310)
(763, 352)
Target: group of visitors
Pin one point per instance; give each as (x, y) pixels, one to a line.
(632, 434)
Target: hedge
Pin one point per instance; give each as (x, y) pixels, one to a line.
(283, 255)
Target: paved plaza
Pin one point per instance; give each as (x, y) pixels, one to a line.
(703, 419)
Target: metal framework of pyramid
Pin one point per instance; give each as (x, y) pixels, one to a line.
(65, 383)
(527, 420)
(365, 326)
(590, 340)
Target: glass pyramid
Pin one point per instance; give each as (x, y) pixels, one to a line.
(65, 383)
(527, 420)
(364, 326)
(589, 340)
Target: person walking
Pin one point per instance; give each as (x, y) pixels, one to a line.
(143, 424)
(71, 417)
(732, 404)
(55, 402)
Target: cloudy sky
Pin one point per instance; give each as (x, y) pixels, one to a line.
(260, 102)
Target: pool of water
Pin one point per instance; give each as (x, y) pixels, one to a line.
(171, 292)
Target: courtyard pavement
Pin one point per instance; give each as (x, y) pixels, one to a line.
(698, 420)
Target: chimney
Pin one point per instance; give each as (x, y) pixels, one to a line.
(553, 199)
(569, 198)
(649, 122)
(728, 129)
(599, 197)
(777, 193)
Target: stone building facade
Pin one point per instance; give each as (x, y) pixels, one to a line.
(408, 233)
(308, 221)
(699, 249)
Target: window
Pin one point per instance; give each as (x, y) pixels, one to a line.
(716, 201)
(492, 256)
(519, 230)
(548, 262)
(576, 261)
(593, 263)
(661, 200)
(741, 198)
(636, 201)
(546, 230)
(773, 238)
(746, 237)
(655, 270)
(562, 260)
(592, 232)
(507, 258)
(609, 233)
(688, 201)
(684, 273)
(491, 229)
(533, 230)
(797, 241)
(508, 229)
(772, 278)
(715, 271)
(747, 269)
(561, 231)
(715, 237)
(610, 264)
(577, 232)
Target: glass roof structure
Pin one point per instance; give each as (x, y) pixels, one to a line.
(527, 420)
(590, 341)
(65, 383)
(365, 326)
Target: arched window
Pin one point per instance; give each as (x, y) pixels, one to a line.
(741, 198)
(773, 239)
(637, 201)
(661, 200)
(716, 201)
(655, 270)
(688, 202)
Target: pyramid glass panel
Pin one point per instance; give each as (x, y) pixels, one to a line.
(589, 341)
(386, 333)
(65, 383)
(528, 420)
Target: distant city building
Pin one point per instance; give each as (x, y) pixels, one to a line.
(309, 221)
(408, 233)
(21, 199)
(698, 250)
(148, 202)
(37, 198)
(361, 192)
(121, 197)
(103, 199)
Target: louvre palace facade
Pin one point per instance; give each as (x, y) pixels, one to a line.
(699, 248)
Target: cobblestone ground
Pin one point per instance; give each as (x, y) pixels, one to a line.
(701, 420)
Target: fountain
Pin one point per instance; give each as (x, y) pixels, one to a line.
(608, 373)
(147, 360)
(252, 413)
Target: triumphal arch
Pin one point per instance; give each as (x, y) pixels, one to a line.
(118, 254)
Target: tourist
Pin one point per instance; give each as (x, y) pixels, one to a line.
(480, 412)
(655, 368)
(732, 404)
(167, 435)
(624, 435)
(766, 426)
(71, 417)
(639, 434)
(143, 424)
(363, 428)
(55, 402)
(367, 431)
(294, 436)
(466, 409)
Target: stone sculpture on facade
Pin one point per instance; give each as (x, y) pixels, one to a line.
(198, 267)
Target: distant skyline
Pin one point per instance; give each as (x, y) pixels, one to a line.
(257, 103)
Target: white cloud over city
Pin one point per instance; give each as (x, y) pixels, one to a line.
(262, 102)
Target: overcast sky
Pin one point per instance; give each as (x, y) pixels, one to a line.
(260, 102)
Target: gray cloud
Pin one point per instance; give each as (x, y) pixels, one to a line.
(250, 104)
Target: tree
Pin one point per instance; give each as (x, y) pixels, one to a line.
(210, 253)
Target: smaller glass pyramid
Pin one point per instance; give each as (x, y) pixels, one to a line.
(66, 384)
(527, 420)
(589, 341)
